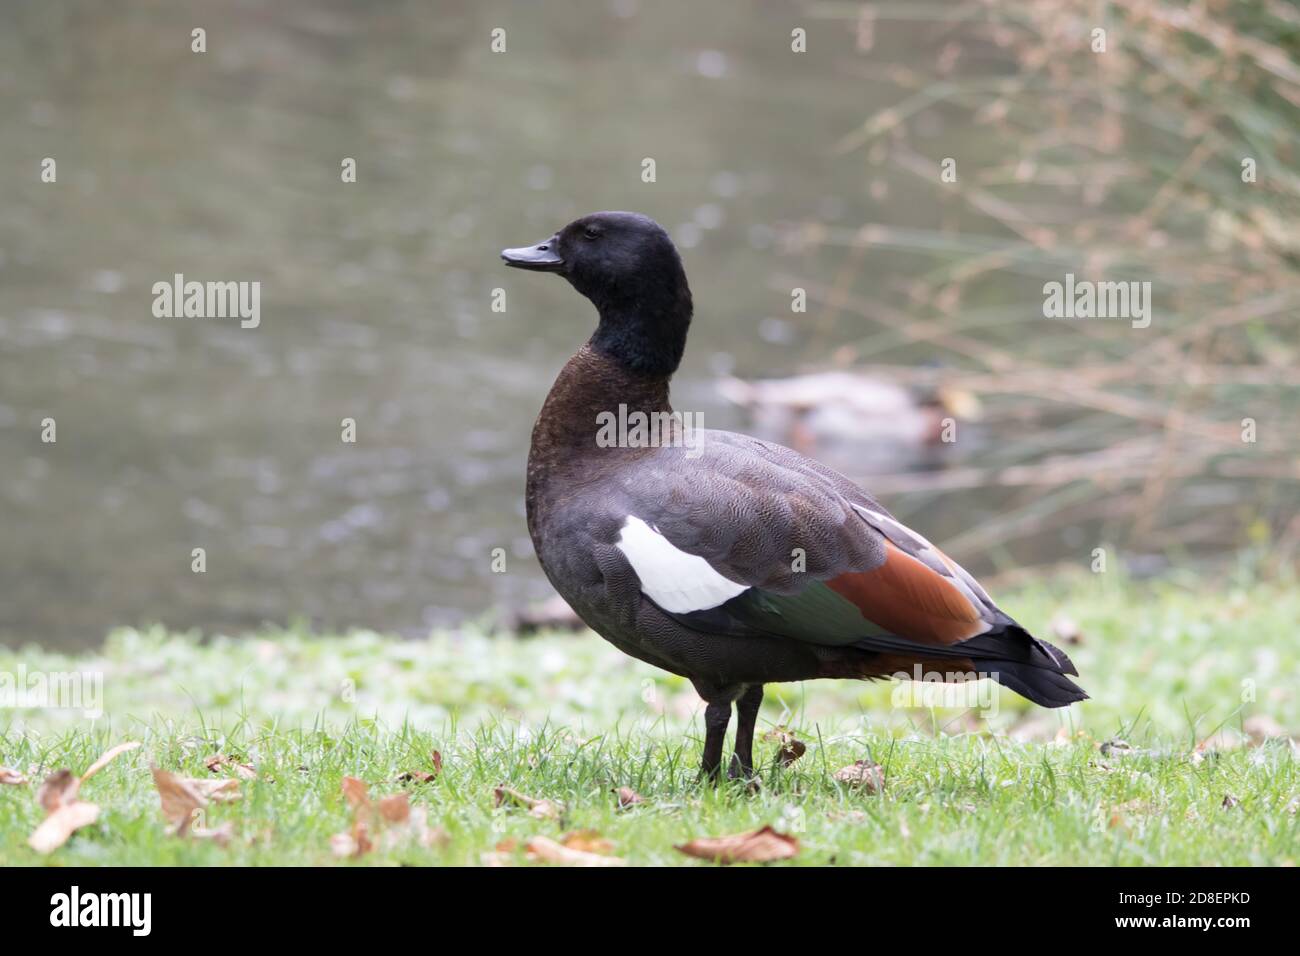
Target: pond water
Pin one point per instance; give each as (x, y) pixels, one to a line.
(376, 296)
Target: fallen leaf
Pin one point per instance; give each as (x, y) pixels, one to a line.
(108, 757)
(627, 797)
(423, 776)
(395, 809)
(57, 790)
(397, 822)
(55, 829)
(548, 851)
(356, 843)
(216, 762)
(218, 791)
(356, 792)
(11, 778)
(866, 774)
(179, 799)
(542, 809)
(587, 841)
(790, 747)
(760, 846)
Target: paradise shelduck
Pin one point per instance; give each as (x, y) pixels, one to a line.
(730, 561)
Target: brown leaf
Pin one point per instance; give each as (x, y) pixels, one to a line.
(11, 778)
(356, 843)
(548, 851)
(627, 797)
(865, 774)
(760, 846)
(56, 828)
(356, 792)
(395, 809)
(108, 757)
(542, 809)
(57, 790)
(791, 748)
(216, 762)
(179, 799)
(423, 776)
(587, 841)
(218, 791)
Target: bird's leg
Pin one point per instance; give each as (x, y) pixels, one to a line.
(717, 715)
(742, 763)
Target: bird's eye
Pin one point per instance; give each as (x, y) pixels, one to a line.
(591, 232)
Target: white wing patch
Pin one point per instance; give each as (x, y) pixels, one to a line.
(676, 581)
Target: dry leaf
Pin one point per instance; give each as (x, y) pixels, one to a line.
(395, 809)
(627, 797)
(108, 757)
(759, 846)
(218, 791)
(356, 843)
(55, 829)
(57, 790)
(542, 809)
(401, 825)
(356, 792)
(587, 841)
(179, 798)
(791, 748)
(423, 776)
(866, 774)
(548, 851)
(11, 778)
(245, 771)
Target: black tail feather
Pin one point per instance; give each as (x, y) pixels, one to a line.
(1009, 654)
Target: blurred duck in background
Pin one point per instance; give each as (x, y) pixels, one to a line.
(851, 416)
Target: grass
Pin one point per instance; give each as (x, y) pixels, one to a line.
(568, 718)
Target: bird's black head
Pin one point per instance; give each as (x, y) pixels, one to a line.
(630, 270)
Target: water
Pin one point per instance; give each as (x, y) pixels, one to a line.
(177, 434)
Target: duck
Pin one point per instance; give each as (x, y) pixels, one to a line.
(727, 560)
(882, 422)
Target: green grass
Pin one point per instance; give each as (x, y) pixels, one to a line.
(568, 718)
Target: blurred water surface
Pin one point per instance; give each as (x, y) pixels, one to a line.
(376, 296)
